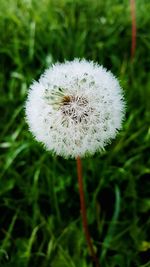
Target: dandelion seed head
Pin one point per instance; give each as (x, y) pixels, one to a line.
(75, 108)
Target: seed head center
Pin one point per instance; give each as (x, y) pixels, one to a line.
(74, 107)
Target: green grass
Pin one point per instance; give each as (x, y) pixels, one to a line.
(40, 221)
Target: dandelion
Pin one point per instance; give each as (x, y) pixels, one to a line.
(75, 109)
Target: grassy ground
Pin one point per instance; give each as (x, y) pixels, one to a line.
(39, 204)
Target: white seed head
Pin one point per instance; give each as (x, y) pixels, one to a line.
(75, 108)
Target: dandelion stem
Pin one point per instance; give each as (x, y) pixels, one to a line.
(83, 212)
(133, 17)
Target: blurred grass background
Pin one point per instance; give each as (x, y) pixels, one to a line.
(40, 221)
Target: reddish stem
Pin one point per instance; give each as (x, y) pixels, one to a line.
(83, 212)
(133, 17)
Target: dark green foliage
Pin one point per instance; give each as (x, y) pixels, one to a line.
(39, 204)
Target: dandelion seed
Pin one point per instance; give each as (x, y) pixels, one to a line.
(75, 108)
